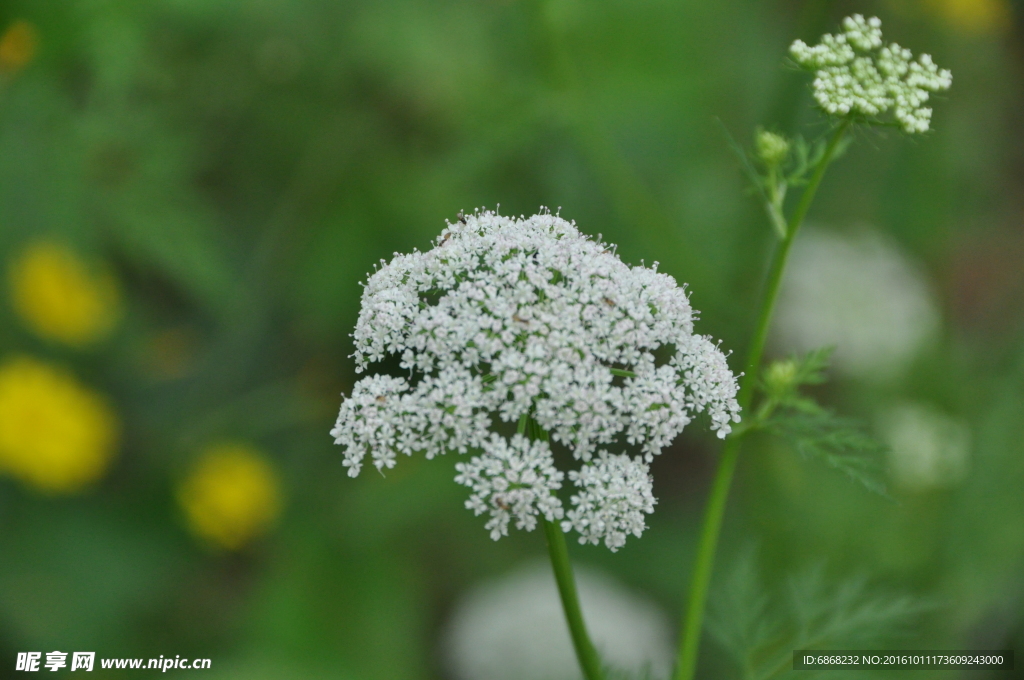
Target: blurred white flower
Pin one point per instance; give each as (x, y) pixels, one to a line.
(855, 74)
(927, 448)
(859, 293)
(513, 628)
(508, 317)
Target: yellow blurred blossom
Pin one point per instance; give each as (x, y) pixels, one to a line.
(60, 298)
(973, 16)
(17, 46)
(55, 434)
(231, 496)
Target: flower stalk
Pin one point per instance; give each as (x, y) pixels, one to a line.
(715, 510)
(558, 551)
(590, 663)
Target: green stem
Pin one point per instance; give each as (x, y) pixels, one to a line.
(689, 644)
(559, 552)
(590, 662)
(774, 282)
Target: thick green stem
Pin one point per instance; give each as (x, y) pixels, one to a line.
(590, 662)
(559, 552)
(689, 644)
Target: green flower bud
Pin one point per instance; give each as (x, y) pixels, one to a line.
(772, 149)
(780, 377)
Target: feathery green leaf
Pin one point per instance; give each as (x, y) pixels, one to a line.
(760, 629)
(841, 443)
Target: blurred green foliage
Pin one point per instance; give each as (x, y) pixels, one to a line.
(240, 166)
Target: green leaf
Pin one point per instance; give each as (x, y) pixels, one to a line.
(756, 180)
(841, 443)
(739, 615)
(849, 613)
(814, 431)
(759, 629)
(781, 379)
(812, 366)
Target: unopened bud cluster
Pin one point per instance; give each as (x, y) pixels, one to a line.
(772, 149)
(507, 319)
(780, 377)
(856, 74)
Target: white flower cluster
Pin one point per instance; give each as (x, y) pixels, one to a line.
(384, 416)
(928, 448)
(512, 627)
(528, 317)
(512, 479)
(615, 493)
(861, 294)
(856, 74)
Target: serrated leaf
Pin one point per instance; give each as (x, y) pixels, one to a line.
(739, 617)
(760, 628)
(807, 156)
(848, 613)
(756, 180)
(811, 367)
(841, 443)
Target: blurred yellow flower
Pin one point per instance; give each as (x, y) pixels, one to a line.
(974, 16)
(59, 298)
(231, 496)
(17, 46)
(55, 434)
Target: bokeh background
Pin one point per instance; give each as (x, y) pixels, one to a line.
(191, 191)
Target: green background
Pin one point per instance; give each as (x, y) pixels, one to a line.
(241, 164)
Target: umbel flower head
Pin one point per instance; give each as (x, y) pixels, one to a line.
(855, 74)
(505, 319)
